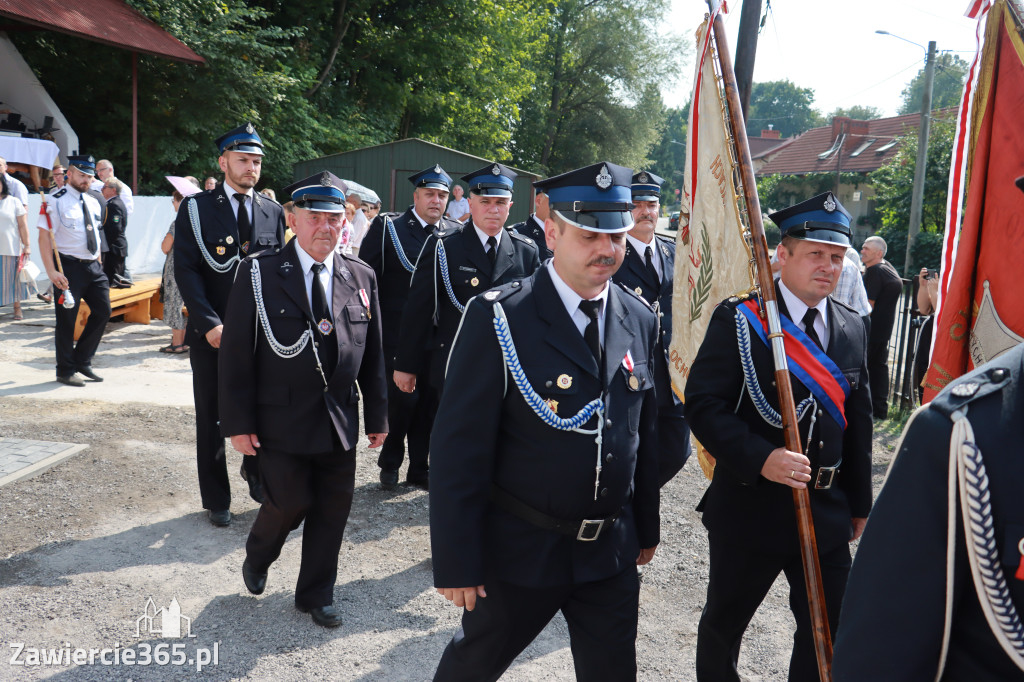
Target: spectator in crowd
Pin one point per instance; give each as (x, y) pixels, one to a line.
(267, 192)
(15, 187)
(169, 294)
(883, 286)
(344, 245)
(210, 183)
(57, 177)
(927, 297)
(358, 221)
(105, 171)
(115, 223)
(371, 211)
(289, 207)
(458, 207)
(14, 248)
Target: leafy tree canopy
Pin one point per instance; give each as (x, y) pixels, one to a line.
(788, 107)
(947, 85)
(857, 112)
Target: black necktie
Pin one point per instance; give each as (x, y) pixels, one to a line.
(649, 259)
(90, 229)
(809, 317)
(327, 347)
(492, 249)
(592, 334)
(244, 226)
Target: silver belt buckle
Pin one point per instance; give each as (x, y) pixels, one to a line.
(826, 475)
(584, 535)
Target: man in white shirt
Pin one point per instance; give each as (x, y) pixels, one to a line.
(458, 207)
(105, 171)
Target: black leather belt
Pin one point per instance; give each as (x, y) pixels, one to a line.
(585, 530)
(65, 257)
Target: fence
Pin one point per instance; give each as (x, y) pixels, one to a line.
(903, 350)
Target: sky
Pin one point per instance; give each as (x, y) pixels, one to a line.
(831, 46)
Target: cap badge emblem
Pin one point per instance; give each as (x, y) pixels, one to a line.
(604, 180)
(643, 178)
(325, 180)
(830, 203)
(249, 129)
(564, 381)
(495, 170)
(437, 168)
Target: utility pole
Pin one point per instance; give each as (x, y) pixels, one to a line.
(746, 50)
(917, 198)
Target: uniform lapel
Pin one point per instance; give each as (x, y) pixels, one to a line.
(475, 249)
(561, 333)
(260, 217)
(636, 264)
(412, 235)
(668, 265)
(506, 255)
(618, 337)
(836, 331)
(344, 286)
(293, 279)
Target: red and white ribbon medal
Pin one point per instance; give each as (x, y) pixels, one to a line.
(365, 298)
(627, 362)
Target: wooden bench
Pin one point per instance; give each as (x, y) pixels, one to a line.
(139, 303)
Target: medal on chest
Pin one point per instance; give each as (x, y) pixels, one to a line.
(325, 327)
(632, 381)
(365, 298)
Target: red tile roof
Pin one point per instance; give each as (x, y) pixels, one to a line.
(759, 146)
(110, 22)
(864, 148)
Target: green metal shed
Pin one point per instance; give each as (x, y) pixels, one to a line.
(386, 168)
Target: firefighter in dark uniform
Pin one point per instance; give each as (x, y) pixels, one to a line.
(303, 329)
(73, 216)
(214, 230)
(748, 508)
(533, 227)
(543, 480)
(648, 270)
(455, 266)
(936, 593)
(115, 222)
(391, 247)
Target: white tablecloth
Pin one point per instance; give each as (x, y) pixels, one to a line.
(28, 150)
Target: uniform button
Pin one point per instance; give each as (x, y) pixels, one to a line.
(661, 314)
(821, 443)
(998, 374)
(608, 423)
(604, 492)
(609, 457)
(442, 345)
(547, 384)
(515, 285)
(820, 413)
(282, 311)
(325, 389)
(316, 344)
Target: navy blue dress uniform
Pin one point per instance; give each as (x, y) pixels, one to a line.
(115, 222)
(301, 399)
(410, 415)
(654, 285)
(548, 519)
(751, 520)
(207, 248)
(533, 227)
(75, 219)
(934, 593)
(431, 316)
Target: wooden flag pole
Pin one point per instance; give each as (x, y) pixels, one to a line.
(787, 408)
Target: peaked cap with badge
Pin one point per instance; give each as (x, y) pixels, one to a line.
(646, 186)
(244, 138)
(595, 198)
(819, 219)
(83, 162)
(323, 191)
(493, 180)
(432, 178)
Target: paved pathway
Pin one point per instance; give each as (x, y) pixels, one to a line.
(21, 458)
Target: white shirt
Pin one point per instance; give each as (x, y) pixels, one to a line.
(571, 301)
(359, 226)
(16, 188)
(125, 194)
(68, 220)
(10, 238)
(231, 191)
(483, 237)
(457, 208)
(641, 248)
(797, 310)
(326, 276)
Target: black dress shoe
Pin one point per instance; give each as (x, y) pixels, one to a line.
(220, 518)
(254, 582)
(89, 374)
(326, 616)
(418, 480)
(255, 485)
(71, 381)
(388, 479)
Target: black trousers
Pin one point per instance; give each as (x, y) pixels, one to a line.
(602, 619)
(211, 463)
(86, 282)
(740, 577)
(410, 416)
(673, 446)
(878, 376)
(317, 489)
(113, 266)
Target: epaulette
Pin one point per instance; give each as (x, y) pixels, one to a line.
(521, 237)
(974, 385)
(502, 292)
(260, 197)
(356, 260)
(734, 301)
(443, 231)
(845, 305)
(667, 240)
(635, 295)
(59, 193)
(271, 251)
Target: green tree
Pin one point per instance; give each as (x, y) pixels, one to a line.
(856, 112)
(787, 107)
(893, 184)
(947, 85)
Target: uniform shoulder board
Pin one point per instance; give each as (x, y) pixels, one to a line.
(59, 193)
(356, 261)
(844, 305)
(500, 293)
(442, 231)
(521, 237)
(734, 301)
(667, 240)
(264, 197)
(270, 251)
(974, 385)
(635, 295)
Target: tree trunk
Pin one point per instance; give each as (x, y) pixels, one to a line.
(555, 107)
(340, 29)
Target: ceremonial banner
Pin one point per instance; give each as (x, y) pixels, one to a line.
(712, 257)
(980, 312)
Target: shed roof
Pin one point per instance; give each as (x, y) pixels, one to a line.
(111, 22)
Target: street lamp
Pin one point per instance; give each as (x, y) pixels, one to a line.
(917, 196)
